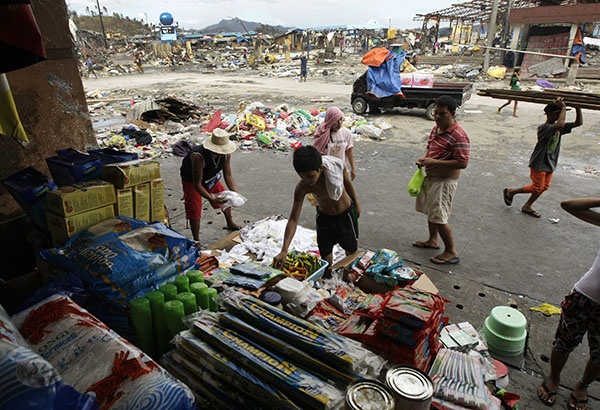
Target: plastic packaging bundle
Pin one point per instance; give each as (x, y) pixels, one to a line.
(210, 359)
(337, 351)
(127, 265)
(28, 381)
(299, 384)
(96, 360)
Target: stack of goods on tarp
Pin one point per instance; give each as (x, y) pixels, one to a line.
(121, 259)
(29, 381)
(412, 320)
(459, 382)
(248, 275)
(97, 361)
(299, 364)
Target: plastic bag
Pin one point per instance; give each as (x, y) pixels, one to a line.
(232, 199)
(416, 182)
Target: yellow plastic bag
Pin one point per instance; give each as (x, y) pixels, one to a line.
(256, 121)
(416, 182)
(497, 72)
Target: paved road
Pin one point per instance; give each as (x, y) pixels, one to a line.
(507, 258)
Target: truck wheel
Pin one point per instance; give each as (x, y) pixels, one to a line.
(359, 105)
(429, 111)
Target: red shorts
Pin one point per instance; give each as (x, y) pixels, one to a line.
(193, 199)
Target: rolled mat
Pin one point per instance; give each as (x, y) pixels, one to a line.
(159, 324)
(174, 313)
(201, 291)
(183, 283)
(212, 303)
(189, 302)
(141, 320)
(195, 276)
(169, 290)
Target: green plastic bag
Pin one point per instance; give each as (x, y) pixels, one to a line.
(416, 182)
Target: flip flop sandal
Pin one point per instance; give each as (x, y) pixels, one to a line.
(420, 244)
(550, 395)
(507, 200)
(531, 212)
(574, 402)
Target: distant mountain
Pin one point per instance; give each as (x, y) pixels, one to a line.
(237, 25)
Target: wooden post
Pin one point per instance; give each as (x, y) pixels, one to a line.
(490, 35)
(572, 73)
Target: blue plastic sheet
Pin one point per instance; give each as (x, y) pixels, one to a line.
(384, 81)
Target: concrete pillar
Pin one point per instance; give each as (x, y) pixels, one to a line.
(516, 33)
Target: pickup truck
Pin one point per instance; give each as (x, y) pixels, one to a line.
(414, 97)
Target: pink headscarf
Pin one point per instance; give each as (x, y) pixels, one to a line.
(323, 132)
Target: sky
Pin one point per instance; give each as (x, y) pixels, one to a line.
(197, 14)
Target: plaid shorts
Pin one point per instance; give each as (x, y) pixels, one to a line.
(579, 315)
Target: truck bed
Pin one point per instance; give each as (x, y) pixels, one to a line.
(414, 97)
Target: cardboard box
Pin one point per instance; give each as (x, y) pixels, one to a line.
(141, 201)
(62, 228)
(157, 200)
(71, 166)
(132, 173)
(29, 187)
(81, 197)
(124, 204)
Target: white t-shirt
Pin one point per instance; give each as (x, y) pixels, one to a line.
(341, 141)
(589, 284)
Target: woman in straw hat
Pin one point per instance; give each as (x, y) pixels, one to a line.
(201, 172)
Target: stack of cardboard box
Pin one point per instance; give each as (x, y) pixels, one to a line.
(71, 209)
(139, 189)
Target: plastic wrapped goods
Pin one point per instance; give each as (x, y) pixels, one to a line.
(335, 350)
(29, 381)
(301, 386)
(96, 360)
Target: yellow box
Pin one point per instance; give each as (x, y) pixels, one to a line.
(157, 200)
(124, 204)
(81, 197)
(141, 201)
(62, 228)
(131, 173)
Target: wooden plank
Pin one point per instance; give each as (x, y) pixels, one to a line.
(571, 98)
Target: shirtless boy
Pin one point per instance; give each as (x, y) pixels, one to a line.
(326, 179)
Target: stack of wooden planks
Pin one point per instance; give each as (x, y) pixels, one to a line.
(579, 99)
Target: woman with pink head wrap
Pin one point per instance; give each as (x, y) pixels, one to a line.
(332, 138)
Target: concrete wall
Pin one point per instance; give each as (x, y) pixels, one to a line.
(51, 103)
(50, 100)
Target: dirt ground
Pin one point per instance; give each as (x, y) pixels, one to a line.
(507, 258)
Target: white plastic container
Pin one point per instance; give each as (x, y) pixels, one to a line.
(423, 80)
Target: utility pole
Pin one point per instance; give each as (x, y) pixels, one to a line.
(490, 35)
(102, 23)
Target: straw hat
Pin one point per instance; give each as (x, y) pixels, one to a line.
(219, 142)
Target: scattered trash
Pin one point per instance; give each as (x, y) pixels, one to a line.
(546, 308)
(554, 220)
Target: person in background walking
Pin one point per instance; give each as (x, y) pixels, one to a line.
(138, 63)
(580, 313)
(89, 63)
(515, 85)
(545, 154)
(303, 67)
(447, 153)
(332, 138)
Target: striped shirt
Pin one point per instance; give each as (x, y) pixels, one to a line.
(450, 144)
